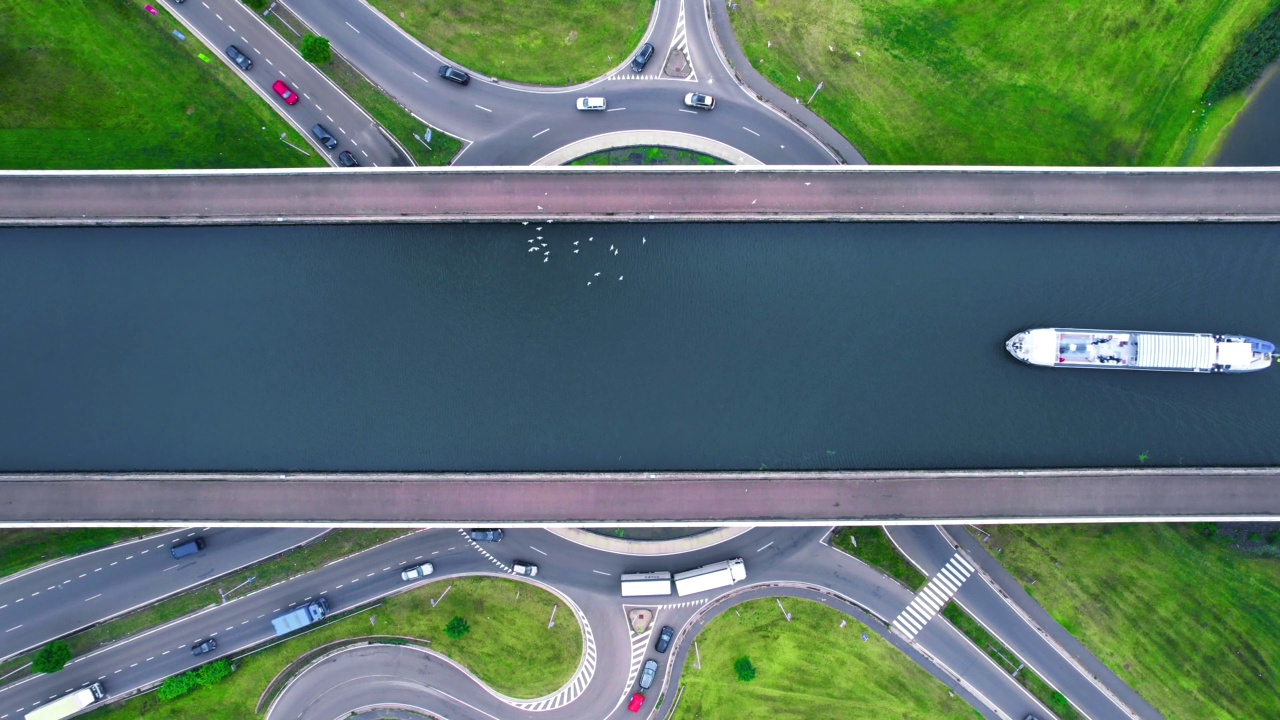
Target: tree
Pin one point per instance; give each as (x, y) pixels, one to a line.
(214, 672)
(256, 4)
(746, 671)
(456, 628)
(51, 658)
(316, 50)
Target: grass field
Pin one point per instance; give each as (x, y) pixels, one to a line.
(547, 43)
(808, 668)
(509, 647)
(21, 549)
(874, 548)
(102, 84)
(648, 156)
(1084, 82)
(1189, 623)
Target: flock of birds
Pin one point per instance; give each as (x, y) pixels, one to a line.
(537, 243)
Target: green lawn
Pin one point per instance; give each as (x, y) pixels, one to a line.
(1190, 623)
(547, 43)
(102, 84)
(21, 549)
(874, 548)
(649, 156)
(509, 647)
(807, 668)
(1072, 82)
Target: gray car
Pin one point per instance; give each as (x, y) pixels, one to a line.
(239, 58)
(648, 674)
(323, 136)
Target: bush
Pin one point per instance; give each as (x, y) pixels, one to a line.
(256, 4)
(316, 50)
(177, 686)
(1246, 63)
(214, 672)
(745, 670)
(51, 658)
(456, 628)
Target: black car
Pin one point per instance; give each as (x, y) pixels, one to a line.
(449, 72)
(323, 136)
(664, 639)
(642, 58)
(347, 159)
(494, 535)
(203, 647)
(239, 58)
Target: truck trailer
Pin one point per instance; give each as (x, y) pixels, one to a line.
(710, 577)
(301, 617)
(68, 705)
(650, 583)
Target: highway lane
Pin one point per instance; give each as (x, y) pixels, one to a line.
(68, 595)
(219, 23)
(502, 118)
(1096, 691)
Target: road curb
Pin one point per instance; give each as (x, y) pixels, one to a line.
(622, 546)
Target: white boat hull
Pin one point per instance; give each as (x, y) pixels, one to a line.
(1129, 350)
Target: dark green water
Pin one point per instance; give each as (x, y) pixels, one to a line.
(724, 346)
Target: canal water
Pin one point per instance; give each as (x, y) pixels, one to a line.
(661, 346)
(1252, 140)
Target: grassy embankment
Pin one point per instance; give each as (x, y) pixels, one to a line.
(649, 156)
(21, 549)
(807, 668)
(105, 85)
(336, 544)
(1093, 82)
(546, 43)
(509, 647)
(388, 113)
(1186, 620)
(874, 548)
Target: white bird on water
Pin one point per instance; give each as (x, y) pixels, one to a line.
(575, 242)
(526, 222)
(547, 252)
(544, 244)
(591, 238)
(615, 252)
(619, 277)
(545, 259)
(644, 240)
(575, 250)
(539, 237)
(597, 275)
(588, 283)
(610, 247)
(539, 229)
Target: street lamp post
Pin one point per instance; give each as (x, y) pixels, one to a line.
(225, 594)
(295, 147)
(815, 93)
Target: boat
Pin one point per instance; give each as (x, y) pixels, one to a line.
(1130, 350)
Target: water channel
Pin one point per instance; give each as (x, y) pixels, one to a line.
(660, 346)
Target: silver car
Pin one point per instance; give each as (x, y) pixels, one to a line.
(523, 568)
(417, 572)
(648, 674)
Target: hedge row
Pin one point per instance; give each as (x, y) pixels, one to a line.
(1258, 50)
(179, 685)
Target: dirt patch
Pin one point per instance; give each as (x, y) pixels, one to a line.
(573, 35)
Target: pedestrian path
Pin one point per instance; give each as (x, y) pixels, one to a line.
(933, 596)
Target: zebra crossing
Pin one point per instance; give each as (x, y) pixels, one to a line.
(639, 647)
(680, 41)
(933, 596)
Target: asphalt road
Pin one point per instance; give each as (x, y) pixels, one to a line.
(219, 23)
(62, 597)
(797, 557)
(761, 193)
(513, 124)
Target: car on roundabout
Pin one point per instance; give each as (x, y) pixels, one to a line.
(637, 701)
(453, 74)
(664, 638)
(700, 101)
(648, 674)
(520, 567)
(417, 572)
(347, 159)
(591, 103)
(485, 535)
(642, 58)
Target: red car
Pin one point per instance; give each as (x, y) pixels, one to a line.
(636, 701)
(290, 97)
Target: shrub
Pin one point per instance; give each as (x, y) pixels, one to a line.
(745, 670)
(316, 50)
(256, 4)
(1246, 63)
(214, 672)
(457, 628)
(51, 658)
(177, 686)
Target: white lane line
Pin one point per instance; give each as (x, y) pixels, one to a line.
(421, 78)
(171, 567)
(536, 549)
(83, 574)
(95, 597)
(97, 569)
(753, 132)
(484, 108)
(134, 665)
(153, 657)
(15, 627)
(353, 27)
(166, 652)
(35, 593)
(535, 134)
(600, 573)
(4, 606)
(385, 569)
(129, 558)
(691, 112)
(614, 109)
(766, 545)
(420, 557)
(114, 564)
(218, 16)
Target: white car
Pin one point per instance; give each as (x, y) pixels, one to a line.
(590, 103)
(416, 572)
(524, 568)
(698, 100)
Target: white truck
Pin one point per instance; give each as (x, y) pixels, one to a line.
(301, 617)
(650, 583)
(68, 705)
(710, 577)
